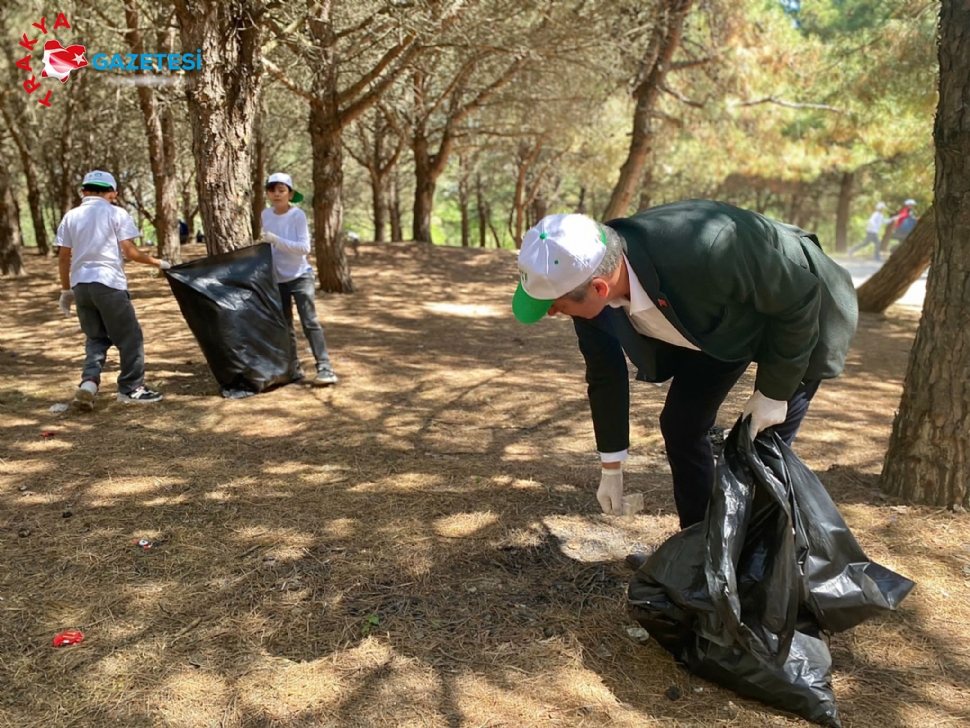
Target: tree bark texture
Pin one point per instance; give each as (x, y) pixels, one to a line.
(842, 213)
(326, 142)
(223, 101)
(159, 123)
(927, 457)
(904, 268)
(394, 209)
(10, 240)
(29, 163)
(660, 52)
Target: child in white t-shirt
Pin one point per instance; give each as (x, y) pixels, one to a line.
(93, 240)
(285, 227)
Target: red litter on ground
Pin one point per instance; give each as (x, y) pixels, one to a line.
(48, 433)
(70, 637)
(144, 543)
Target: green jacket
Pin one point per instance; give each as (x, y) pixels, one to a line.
(735, 284)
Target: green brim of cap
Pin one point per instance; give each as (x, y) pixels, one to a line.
(527, 309)
(102, 185)
(297, 196)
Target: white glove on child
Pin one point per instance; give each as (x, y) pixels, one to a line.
(765, 412)
(164, 265)
(610, 493)
(66, 301)
(270, 238)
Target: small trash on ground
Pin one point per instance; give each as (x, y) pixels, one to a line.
(638, 634)
(48, 433)
(58, 408)
(145, 544)
(23, 532)
(67, 514)
(673, 693)
(632, 504)
(68, 637)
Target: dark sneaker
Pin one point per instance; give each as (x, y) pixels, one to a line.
(84, 396)
(325, 377)
(141, 395)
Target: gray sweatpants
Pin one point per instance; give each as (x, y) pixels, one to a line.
(107, 318)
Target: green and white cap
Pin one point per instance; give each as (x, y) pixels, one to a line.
(557, 255)
(97, 178)
(288, 181)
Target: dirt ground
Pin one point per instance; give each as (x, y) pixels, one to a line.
(417, 546)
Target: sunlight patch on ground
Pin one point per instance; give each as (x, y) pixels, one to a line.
(464, 525)
(466, 310)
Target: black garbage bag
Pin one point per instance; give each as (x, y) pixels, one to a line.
(745, 598)
(232, 305)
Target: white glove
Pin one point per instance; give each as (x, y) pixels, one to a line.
(270, 238)
(164, 265)
(765, 412)
(66, 301)
(610, 493)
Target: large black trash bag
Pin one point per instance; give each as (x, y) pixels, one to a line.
(742, 598)
(232, 305)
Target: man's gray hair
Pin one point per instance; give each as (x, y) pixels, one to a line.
(609, 264)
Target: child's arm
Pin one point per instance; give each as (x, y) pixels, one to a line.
(64, 266)
(300, 246)
(132, 253)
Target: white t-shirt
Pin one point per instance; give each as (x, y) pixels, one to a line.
(876, 220)
(94, 231)
(289, 257)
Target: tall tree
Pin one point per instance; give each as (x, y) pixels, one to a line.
(929, 451)
(159, 121)
(10, 240)
(223, 98)
(647, 87)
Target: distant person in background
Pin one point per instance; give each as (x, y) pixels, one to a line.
(873, 227)
(200, 237)
(183, 232)
(285, 228)
(93, 239)
(903, 223)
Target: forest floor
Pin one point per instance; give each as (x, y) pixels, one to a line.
(419, 545)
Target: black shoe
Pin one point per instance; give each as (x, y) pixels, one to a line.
(141, 395)
(325, 377)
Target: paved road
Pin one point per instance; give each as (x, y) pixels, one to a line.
(862, 268)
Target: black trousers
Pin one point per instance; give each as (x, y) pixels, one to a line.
(699, 386)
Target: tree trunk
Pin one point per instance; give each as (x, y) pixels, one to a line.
(259, 172)
(394, 209)
(842, 213)
(10, 239)
(927, 458)
(223, 100)
(463, 203)
(378, 185)
(906, 265)
(482, 208)
(32, 178)
(665, 41)
(424, 188)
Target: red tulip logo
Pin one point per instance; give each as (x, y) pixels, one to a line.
(60, 61)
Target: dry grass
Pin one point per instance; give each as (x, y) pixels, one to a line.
(418, 546)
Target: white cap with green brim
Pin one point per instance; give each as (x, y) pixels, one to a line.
(288, 181)
(97, 178)
(557, 255)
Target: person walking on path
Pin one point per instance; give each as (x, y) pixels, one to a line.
(873, 228)
(93, 239)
